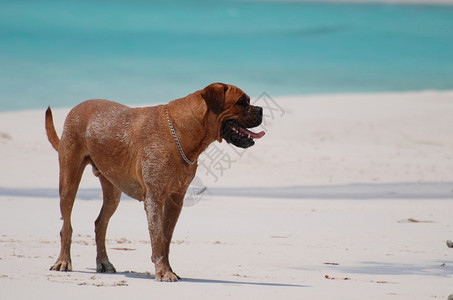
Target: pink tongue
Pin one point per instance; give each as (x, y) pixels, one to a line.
(252, 134)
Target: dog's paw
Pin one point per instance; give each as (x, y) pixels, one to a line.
(167, 277)
(63, 265)
(105, 266)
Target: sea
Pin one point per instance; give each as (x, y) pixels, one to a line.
(61, 52)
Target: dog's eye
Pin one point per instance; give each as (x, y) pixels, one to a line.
(242, 102)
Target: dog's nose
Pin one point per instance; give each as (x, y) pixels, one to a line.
(259, 112)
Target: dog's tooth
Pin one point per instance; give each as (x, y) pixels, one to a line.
(249, 136)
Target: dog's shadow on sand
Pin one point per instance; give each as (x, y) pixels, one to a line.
(149, 276)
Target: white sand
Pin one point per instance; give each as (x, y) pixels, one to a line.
(328, 191)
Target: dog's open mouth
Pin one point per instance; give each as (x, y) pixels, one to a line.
(237, 134)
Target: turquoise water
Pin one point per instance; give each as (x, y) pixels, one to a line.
(60, 52)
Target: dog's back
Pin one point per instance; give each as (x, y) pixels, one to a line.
(86, 119)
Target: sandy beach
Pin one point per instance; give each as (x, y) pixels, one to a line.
(346, 197)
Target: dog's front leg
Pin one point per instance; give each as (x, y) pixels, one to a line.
(155, 213)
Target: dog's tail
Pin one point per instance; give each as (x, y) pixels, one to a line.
(50, 130)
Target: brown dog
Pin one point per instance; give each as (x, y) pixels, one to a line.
(147, 153)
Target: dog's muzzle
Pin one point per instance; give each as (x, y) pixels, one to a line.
(235, 131)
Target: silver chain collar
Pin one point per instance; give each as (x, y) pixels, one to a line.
(172, 128)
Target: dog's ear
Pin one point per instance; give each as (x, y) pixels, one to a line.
(214, 96)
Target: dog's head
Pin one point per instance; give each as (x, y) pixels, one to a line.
(234, 112)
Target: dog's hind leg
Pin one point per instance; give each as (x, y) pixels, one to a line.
(71, 170)
(111, 196)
